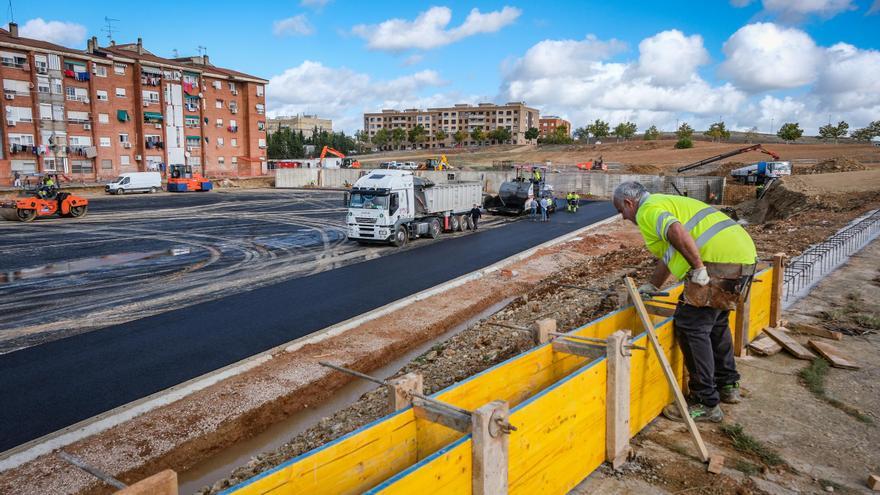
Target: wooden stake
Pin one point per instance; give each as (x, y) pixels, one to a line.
(741, 326)
(776, 290)
(489, 449)
(617, 447)
(667, 370)
(542, 329)
(400, 390)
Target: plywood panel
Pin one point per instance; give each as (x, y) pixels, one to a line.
(445, 471)
(759, 317)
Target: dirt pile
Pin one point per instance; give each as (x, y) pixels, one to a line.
(831, 166)
(644, 169)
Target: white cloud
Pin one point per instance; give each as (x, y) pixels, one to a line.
(850, 81)
(413, 59)
(796, 10)
(429, 29)
(558, 58)
(62, 33)
(344, 95)
(875, 7)
(766, 56)
(670, 58)
(314, 4)
(297, 25)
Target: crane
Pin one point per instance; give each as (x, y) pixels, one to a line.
(346, 162)
(754, 147)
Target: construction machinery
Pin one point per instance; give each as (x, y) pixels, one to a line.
(597, 164)
(435, 164)
(530, 182)
(706, 161)
(44, 200)
(345, 163)
(182, 178)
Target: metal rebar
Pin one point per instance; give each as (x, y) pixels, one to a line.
(97, 473)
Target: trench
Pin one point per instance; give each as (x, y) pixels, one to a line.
(221, 465)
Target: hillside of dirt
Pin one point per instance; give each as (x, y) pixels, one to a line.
(831, 166)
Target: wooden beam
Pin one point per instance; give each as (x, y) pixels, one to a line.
(816, 331)
(441, 415)
(776, 290)
(765, 346)
(833, 355)
(617, 428)
(161, 483)
(577, 348)
(741, 326)
(789, 344)
(667, 370)
(660, 310)
(489, 446)
(400, 390)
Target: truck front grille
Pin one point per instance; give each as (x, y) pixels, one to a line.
(365, 220)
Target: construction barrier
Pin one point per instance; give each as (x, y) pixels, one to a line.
(557, 404)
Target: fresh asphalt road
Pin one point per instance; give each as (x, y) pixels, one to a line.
(50, 386)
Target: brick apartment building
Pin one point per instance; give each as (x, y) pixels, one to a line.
(92, 114)
(301, 123)
(515, 116)
(547, 125)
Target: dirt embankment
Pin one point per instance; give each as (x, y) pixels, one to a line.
(831, 166)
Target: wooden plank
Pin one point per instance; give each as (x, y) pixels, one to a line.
(490, 450)
(667, 370)
(833, 355)
(161, 483)
(815, 331)
(776, 290)
(765, 346)
(617, 413)
(759, 293)
(657, 310)
(741, 327)
(789, 344)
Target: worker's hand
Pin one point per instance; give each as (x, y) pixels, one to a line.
(700, 276)
(648, 289)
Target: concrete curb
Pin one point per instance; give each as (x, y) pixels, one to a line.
(29, 451)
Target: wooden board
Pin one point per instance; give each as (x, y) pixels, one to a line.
(789, 344)
(816, 331)
(765, 346)
(833, 355)
(759, 304)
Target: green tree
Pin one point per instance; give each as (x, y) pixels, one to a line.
(460, 136)
(440, 135)
(398, 136)
(599, 129)
(790, 131)
(751, 135)
(652, 133)
(531, 133)
(834, 132)
(381, 138)
(863, 134)
(582, 134)
(502, 135)
(684, 134)
(717, 131)
(625, 130)
(478, 135)
(418, 134)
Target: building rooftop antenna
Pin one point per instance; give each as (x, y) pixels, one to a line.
(202, 50)
(109, 29)
(175, 52)
(9, 12)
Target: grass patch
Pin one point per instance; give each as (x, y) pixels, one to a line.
(745, 443)
(813, 377)
(869, 321)
(746, 467)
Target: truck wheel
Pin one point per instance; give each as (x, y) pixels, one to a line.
(434, 228)
(453, 223)
(120, 191)
(462, 223)
(154, 190)
(400, 237)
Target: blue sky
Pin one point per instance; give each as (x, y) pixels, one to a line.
(578, 59)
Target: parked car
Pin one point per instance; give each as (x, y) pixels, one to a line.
(409, 166)
(389, 165)
(148, 182)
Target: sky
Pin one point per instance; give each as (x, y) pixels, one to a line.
(749, 63)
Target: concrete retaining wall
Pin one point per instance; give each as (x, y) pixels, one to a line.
(596, 184)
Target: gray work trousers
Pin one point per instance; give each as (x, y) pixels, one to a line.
(704, 337)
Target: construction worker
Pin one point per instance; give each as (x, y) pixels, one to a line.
(575, 201)
(759, 190)
(569, 199)
(475, 215)
(716, 258)
(536, 175)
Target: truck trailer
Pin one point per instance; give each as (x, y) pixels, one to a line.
(761, 172)
(394, 206)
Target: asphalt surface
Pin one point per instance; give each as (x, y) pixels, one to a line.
(50, 386)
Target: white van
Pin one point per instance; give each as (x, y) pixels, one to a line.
(135, 182)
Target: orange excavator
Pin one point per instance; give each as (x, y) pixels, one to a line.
(44, 200)
(346, 162)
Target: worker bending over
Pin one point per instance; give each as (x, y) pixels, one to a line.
(716, 258)
(573, 200)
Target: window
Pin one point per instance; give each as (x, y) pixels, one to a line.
(123, 138)
(104, 142)
(103, 118)
(232, 86)
(81, 166)
(99, 70)
(57, 87)
(233, 142)
(233, 124)
(80, 140)
(106, 164)
(260, 90)
(43, 85)
(221, 160)
(261, 125)
(21, 139)
(14, 86)
(219, 142)
(119, 69)
(219, 122)
(218, 104)
(234, 160)
(124, 160)
(261, 109)
(216, 84)
(261, 142)
(10, 59)
(41, 64)
(191, 121)
(120, 92)
(151, 96)
(45, 111)
(77, 117)
(50, 165)
(24, 166)
(18, 114)
(58, 112)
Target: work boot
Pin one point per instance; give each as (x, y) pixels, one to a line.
(730, 393)
(699, 413)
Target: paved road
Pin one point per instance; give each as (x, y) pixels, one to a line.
(53, 385)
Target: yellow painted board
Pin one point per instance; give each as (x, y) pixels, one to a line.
(761, 292)
(449, 472)
(649, 392)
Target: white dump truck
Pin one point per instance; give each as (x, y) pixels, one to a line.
(394, 206)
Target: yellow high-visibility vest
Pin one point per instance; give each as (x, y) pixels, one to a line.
(719, 239)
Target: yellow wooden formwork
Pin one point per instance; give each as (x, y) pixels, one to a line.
(558, 406)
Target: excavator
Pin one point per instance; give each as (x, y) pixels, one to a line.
(44, 200)
(435, 164)
(346, 162)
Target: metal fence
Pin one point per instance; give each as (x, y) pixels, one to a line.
(806, 270)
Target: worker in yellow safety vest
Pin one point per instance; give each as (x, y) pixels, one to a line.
(716, 259)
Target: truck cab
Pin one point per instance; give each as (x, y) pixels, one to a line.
(380, 205)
